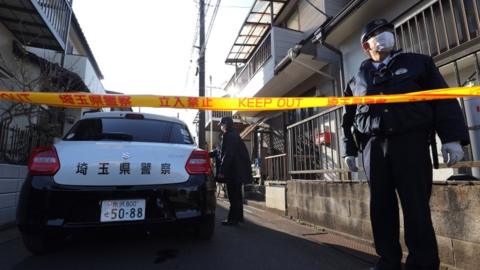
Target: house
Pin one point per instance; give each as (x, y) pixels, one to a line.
(312, 48)
(42, 48)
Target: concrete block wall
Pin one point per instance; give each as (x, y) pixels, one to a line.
(344, 207)
(275, 197)
(11, 180)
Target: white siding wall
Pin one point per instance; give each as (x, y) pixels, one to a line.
(262, 77)
(282, 40)
(332, 7)
(75, 63)
(310, 19)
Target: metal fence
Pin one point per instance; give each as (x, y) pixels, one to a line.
(16, 144)
(261, 55)
(440, 27)
(58, 13)
(314, 147)
(277, 167)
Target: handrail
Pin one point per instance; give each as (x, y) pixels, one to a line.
(275, 156)
(314, 116)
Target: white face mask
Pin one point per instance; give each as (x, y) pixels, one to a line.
(383, 42)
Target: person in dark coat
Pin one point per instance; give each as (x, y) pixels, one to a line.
(235, 169)
(394, 140)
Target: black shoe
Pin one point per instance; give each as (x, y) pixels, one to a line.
(230, 223)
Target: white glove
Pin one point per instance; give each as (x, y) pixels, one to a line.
(351, 164)
(452, 152)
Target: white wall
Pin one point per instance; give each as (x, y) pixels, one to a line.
(75, 63)
(262, 76)
(83, 67)
(310, 19)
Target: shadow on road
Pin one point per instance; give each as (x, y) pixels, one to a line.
(249, 246)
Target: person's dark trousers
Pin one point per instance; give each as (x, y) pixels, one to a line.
(234, 191)
(401, 164)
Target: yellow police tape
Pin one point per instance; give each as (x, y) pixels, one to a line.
(86, 100)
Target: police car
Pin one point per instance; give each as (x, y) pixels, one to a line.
(116, 169)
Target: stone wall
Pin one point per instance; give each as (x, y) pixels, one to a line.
(344, 207)
(11, 179)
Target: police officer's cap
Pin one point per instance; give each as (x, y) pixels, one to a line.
(373, 26)
(226, 120)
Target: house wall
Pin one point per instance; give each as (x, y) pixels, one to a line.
(282, 40)
(24, 72)
(310, 18)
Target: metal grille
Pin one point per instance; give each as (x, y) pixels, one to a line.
(314, 147)
(16, 144)
(261, 56)
(58, 13)
(277, 169)
(440, 27)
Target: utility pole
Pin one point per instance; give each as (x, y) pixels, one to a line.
(211, 116)
(201, 73)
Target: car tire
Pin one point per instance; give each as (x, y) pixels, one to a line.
(205, 228)
(41, 243)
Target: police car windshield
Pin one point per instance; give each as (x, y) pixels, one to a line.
(138, 130)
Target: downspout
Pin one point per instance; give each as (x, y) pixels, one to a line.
(340, 55)
(319, 36)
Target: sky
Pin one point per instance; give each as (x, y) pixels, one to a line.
(145, 46)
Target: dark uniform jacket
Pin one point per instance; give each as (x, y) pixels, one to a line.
(404, 73)
(235, 160)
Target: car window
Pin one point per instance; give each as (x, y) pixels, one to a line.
(139, 130)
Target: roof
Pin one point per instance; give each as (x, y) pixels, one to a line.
(254, 28)
(121, 114)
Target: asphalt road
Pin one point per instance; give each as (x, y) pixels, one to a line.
(264, 241)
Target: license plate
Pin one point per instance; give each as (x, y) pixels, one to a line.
(122, 210)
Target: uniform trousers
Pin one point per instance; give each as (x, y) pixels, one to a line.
(234, 192)
(401, 165)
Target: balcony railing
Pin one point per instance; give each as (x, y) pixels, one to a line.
(314, 147)
(263, 53)
(58, 14)
(440, 27)
(277, 168)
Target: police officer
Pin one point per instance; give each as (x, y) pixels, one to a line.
(394, 141)
(235, 168)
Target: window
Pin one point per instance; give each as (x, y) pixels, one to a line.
(139, 130)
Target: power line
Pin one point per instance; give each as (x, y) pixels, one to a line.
(210, 26)
(194, 41)
(195, 38)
